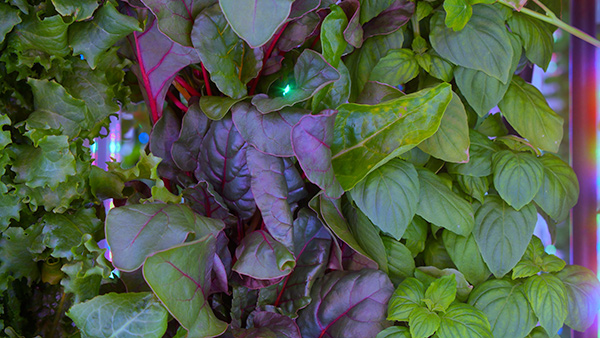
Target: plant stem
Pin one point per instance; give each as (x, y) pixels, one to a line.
(206, 82)
(187, 86)
(552, 19)
(266, 57)
(176, 101)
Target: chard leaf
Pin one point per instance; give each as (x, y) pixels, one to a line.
(354, 32)
(537, 38)
(391, 19)
(373, 135)
(10, 18)
(164, 134)
(483, 44)
(451, 141)
(269, 133)
(204, 200)
(186, 148)
(548, 298)
(230, 61)
(152, 227)
(261, 257)
(526, 109)
(462, 320)
(298, 31)
(332, 35)
(92, 38)
(583, 296)
(311, 74)
(504, 304)
(256, 21)
(301, 8)
(216, 107)
(347, 303)
(333, 95)
(517, 177)
(456, 214)
(269, 324)
(180, 277)
(503, 233)
(466, 256)
(371, 8)
(311, 140)
(176, 18)
(406, 298)
(121, 315)
(269, 188)
(559, 190)
(63, 232)
(389, 196)
(375, 92)
(222, 163)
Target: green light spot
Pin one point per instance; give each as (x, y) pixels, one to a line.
(287, 89)
(551, 249)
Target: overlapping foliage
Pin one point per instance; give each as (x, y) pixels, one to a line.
(316, 169)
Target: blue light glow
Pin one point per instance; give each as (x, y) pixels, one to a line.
(144, 138)
(550, 249)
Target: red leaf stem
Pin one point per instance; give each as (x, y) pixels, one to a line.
(187, 86)
(146, 80)
(176, 101)
(206, 82)
(267, 56)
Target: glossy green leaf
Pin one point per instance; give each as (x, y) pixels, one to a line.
(504, 304)
(483, 44)
(335, 94)
(548, 298)
(394, 332)
(18, 261)
(439, 67)
(79, 10)
(93, 38)
(503, 233)
(311, 74)
(583, 296)
(537, 38)
(456, 214)
(441, 293)
(458, 13)
(398, 67)
(517, 177)
(405, 299)
(256, 20)
(401, 264)
(462, 320)
(371, 8)
(532, 260)
(466, 256)
(181, 278)
(216, 107)
(423, 322)
(388, 130)
(389, 196)
(526, 109)
(261, 257)
(451, 141)
(121, 315)
(63, 232)
(10, 18)
(560, 188)
(480, 157)
(152, 227)
(332, 35)
(493, 126)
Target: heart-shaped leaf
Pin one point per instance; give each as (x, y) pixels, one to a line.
(269, 324)
(560, 189)
(405, 299)
(216, 107)
(517, 177)
(391, 19)
(462, 320)
(261, 257)
(467, 257)
(396, 68)
(583, 296)
(186, 148)
(548, 298)
(537, 38)
(423, 322)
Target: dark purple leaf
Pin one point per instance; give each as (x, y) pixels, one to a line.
(376, 92)
(269, 133)
(269, 188)
(391, 19)
(222, 163)
(347, 304)
(204, 200)
(272, 65)
(302, 7)
(269, 324)
(298, 31)
(311, 140)
(261, 257)
(354, 31)
(242, 304)
(159, 59)
(295, 183)
(221, 266)
(186, 148)
(164, 134)
(352, 260)
(253, 283)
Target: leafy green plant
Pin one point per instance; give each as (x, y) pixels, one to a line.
(315, 169)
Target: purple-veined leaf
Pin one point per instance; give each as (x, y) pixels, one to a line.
(295, 183)
(300, 8)
(298, 31)
(216, 107)
(352, 260)
(150, 228)
(354, 33)
(269, 324)
(181, 277)
(261, 257)
(311, 74)
(222, 262)
(269, 188)
(204, 200)
(243, 303)
(164, 133)
(391, 19)
(186, 148)
(269, 133)
(256, 20)
(176, 18)
(158, 61)
(222, 163)
(347, 304)
(311, 140)
(377, 92)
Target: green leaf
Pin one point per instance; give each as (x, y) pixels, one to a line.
(451, 141)
(477, 187)
(439, 67)
(493, 126)
(18, 261)
(483, 44)
(79, 10)
(441, 206)
(63, 232)
(526, 109)
(371, 8)
(504, 304)
(517, 177)
(10, 18)
(398, 67)
(466, 256)
(401, 264)
(462, 320)
(47, 165)
(181, 277)
(261, 257)
(389, 196)
(536, 260)
(537, 332)
(150, 228)
(93, 38)
(423, 322)
(394, 332)
(406, 298)
(10, 206)
(229, 60)
(559, 190)
(216, 107)
(503, 233)
(537, 38)
(332, 35)
(548, 298)
(583, 296)
(333, 95)
(458, 13)
(480, 157)
(121, 315)
(311, 74)
(256, 20)
(441, 293)
(5, 137)
(383, 131)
